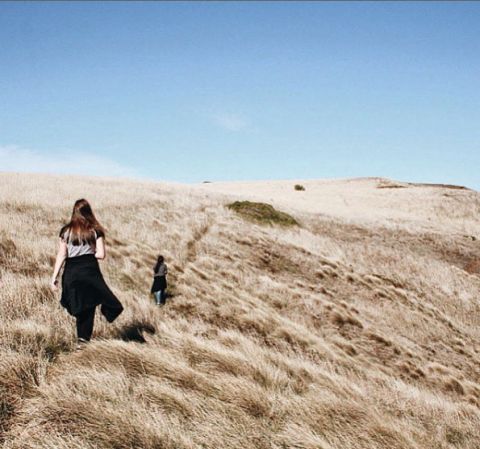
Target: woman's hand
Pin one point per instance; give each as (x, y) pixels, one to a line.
(54, 285)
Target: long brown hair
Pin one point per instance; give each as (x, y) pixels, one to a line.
(160, 260)
(83, 224)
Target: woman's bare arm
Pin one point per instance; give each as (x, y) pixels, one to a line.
(61, 256)
(100, 252)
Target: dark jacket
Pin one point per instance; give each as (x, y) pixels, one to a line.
(83, 287)
(160, 279)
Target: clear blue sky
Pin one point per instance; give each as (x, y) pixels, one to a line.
(211, 91)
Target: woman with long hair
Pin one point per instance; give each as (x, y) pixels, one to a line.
(81, 245)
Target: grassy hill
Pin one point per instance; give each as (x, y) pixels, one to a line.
(358, 328)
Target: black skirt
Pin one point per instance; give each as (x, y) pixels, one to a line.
(159, 283)
(83, 287)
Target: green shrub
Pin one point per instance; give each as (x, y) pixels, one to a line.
(262, 213)
(299, 187)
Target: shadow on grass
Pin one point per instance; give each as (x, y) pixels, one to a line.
(135, 330)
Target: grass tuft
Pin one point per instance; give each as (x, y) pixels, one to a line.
(262, 213)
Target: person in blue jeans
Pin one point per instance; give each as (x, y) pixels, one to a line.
(159, 286)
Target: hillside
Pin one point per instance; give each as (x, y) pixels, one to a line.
(357, 329)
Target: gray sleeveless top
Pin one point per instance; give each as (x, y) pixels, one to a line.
(81, 249)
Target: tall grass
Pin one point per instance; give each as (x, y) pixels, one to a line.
(333, 335)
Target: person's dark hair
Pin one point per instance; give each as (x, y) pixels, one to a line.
(160, 260)
(83, 224)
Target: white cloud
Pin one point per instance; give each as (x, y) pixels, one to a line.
(15, 159)
(230, 122)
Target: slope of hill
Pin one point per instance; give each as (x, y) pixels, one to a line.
(357, 329)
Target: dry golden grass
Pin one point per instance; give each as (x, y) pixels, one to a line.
(358, 329)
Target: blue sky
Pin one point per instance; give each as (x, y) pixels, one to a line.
(227, 91)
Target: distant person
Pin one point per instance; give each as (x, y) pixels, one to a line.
(81, 244)
(159, 286)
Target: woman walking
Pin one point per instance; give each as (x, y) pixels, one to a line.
(83, 287)
(159, 286)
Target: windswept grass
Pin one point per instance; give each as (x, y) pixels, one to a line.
(335, 334)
